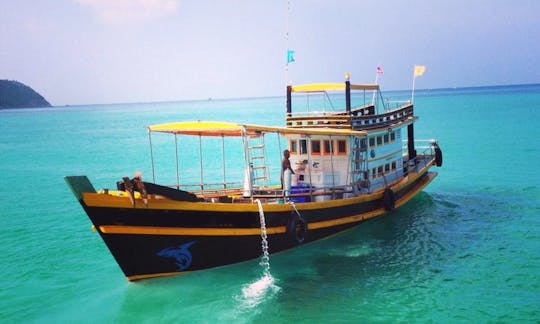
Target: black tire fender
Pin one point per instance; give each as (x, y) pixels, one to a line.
(297, 228)
(438, 157)
(389, 200)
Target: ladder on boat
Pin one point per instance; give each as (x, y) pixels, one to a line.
(359, 164)
(257, 161)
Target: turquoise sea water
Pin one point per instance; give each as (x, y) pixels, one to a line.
(467, 249)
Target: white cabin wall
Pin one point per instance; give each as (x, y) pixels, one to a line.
(385, 161)
(323, 169)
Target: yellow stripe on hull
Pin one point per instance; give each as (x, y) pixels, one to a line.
(155, 275)
(109, 201)
(189, 231)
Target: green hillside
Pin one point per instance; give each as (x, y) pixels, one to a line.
(14, 94)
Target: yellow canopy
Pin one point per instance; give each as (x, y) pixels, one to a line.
(320, 87)
(216, 128)
(206, 128)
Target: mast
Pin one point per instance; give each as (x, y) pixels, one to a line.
(290, 59)
(290, 53)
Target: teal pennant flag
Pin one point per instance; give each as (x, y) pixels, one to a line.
(290, 56)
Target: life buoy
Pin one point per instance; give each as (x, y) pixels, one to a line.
(438, 156)
(388, 200)
(297, 228)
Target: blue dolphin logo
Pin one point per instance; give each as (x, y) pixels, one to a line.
(181, 254)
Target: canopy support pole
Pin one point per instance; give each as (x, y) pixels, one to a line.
(308, 149)
(177, 164)
(348, 97)
(279, 145)
(248, 184)
(332, 148)
(289, 101)
(201, 163)
(223, 159)
(151, 156)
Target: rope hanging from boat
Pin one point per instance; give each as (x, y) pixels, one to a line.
(297, 226)
(294, 207)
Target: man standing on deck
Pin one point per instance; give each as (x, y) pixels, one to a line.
(286, 172)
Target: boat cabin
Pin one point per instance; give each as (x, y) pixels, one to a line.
(344, 140)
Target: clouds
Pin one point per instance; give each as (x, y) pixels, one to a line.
(130, 11)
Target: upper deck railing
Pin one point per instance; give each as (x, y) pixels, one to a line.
(389, 118)
(363, 117)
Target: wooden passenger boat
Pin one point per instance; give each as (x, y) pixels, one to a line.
(349, 165)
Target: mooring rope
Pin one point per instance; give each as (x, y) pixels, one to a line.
(294, 207)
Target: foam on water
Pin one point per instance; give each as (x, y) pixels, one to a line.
(255, 293)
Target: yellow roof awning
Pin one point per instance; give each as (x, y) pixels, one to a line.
(321, 87)
(216, 128)
(204, 128)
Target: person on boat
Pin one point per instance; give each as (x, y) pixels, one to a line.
(286, 171)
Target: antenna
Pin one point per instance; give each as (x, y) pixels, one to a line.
(377, 73)
(290, 53)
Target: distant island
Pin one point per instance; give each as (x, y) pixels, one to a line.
(14, 94)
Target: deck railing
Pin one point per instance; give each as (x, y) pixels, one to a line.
(211, 189)
(388, 118)
(361, 118)
(425, 154)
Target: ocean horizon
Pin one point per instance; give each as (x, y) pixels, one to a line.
(422, 91)
(466, 249)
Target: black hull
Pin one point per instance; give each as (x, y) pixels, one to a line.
(143, 256)
(176, 237)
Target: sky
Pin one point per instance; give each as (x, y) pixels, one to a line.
(76, 52)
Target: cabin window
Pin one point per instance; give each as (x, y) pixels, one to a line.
(394, 166)
(379, 170)
(374, 173)
(303, 146)
(393, 136)
(316, 147)
(386, 138)
(293, 147)
(371, 141)
(328, 147)
(387, 168)
(342, 147)
(379, 140)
